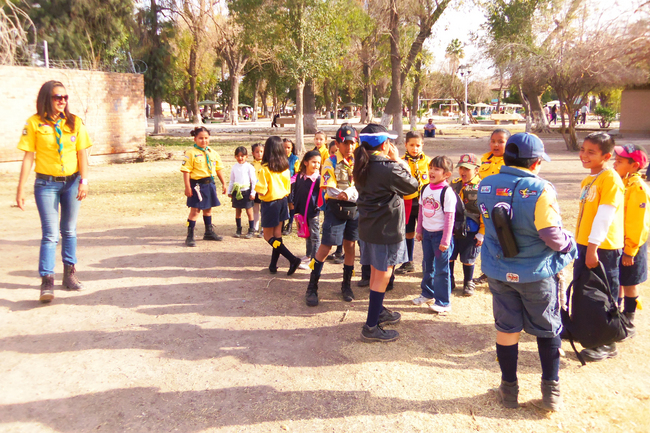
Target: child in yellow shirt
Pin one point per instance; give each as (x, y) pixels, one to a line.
(599, 230)
(273, 187)
(492, 161)
(630, 160)
(200, 166)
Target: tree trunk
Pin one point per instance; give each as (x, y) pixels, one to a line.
(526, 104)
(234, 97)
(256, 91)
(367, 93)
(336, 104)
(265, 108)
(394, 104)
(310, 122)
(194, 93)
(415, 104)
(539, 122)
(300, 145)
(158, 122)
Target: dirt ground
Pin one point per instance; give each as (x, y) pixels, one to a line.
(168, 338)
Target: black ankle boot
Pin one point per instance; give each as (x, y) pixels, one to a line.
(189, 240)
(311, 297)
(346, 290)
(210, 235)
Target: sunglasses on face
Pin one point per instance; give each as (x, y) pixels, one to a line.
(59, 98)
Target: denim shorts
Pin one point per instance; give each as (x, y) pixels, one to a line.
(381, 256)
(336, 230)
(532, 307)
(466, 248)
(638, 272)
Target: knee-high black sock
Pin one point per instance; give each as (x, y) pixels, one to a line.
(207, 220)
(284, 251)
(365, 272)
(549, 355)
(292, 213)
(238, 222)
(376, 304)
(410, 243)
(507, 356)
(275, 254)
(629, 304)
(451, 268)
(191, 224)
(468, 272)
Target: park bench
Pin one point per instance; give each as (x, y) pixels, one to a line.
(281, 121)
(514, 118)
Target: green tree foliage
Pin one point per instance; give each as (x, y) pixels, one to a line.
(95, 30)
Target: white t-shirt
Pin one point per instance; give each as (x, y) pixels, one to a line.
(243, 174)
(433, 219)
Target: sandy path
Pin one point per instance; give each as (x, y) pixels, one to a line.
(167, 338)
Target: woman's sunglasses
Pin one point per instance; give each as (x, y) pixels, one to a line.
(59, 98)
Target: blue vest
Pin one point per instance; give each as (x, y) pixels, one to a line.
(517, 190)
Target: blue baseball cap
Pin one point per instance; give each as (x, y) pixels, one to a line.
(525, 145)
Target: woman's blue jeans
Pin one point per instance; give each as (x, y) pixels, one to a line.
(49, 195)
(436, 281)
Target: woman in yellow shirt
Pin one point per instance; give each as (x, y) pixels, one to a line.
(273, 187)
(57, 141)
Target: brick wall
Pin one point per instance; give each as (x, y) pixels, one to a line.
(110, 104)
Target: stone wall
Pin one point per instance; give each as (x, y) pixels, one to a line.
(110, 104)
(635, 112)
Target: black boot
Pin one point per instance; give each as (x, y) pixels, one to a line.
(189, 240)
(70, 280)
(311, 297)
(47, 289)
(346, 290)
(210, 235)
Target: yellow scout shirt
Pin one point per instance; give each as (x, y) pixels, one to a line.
(324, 153)
(337, 175)
(257, 165)
(420, 170)
(490, 165)
(39, 137)
(195, 163)
(272, 185)
(606, 189)
(637, 216)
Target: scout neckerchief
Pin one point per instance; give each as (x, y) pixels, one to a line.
(583, 198)
(414, 159)
(207, 158)
(58, 134)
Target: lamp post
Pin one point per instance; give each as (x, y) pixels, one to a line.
(464, 71)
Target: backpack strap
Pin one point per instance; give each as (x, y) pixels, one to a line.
(573, 346)
(442, 198)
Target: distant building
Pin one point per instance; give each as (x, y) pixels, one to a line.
(635, 111)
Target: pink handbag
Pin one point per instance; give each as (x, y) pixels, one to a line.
(301, 221)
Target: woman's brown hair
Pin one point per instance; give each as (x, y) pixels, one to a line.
(44, 107)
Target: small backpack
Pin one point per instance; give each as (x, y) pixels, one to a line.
(594, 319)
(460, 220)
